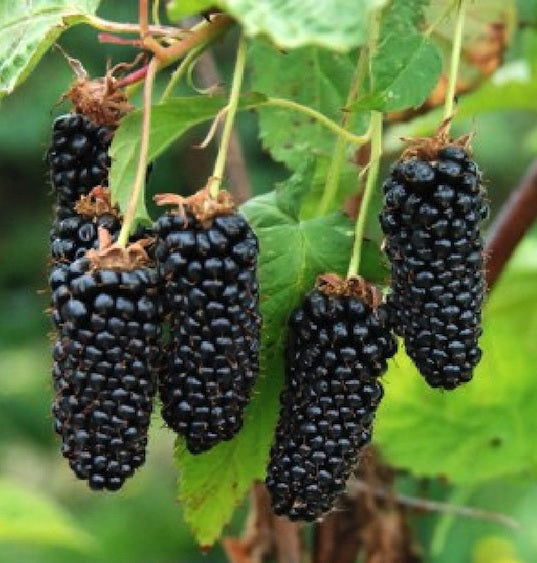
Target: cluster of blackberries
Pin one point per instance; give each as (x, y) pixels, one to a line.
(431, 218)
(106, 360)
(108, 351)
(208, 269)
(337, 347)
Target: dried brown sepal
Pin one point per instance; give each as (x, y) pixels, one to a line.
(111, 256)
(426, 148)
(96, 203)
(101, 99)
(354, 286)
(202, 205)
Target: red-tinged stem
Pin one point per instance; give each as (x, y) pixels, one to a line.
(200, 34)
(511, 224)
(114, 40)
(133, 77)
(143, 18)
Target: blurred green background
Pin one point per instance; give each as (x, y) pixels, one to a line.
(48, 516)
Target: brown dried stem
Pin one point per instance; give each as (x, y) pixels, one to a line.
(515, 218)
(265, 535)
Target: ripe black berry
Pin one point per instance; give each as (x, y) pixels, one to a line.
(78, 157)
(431, 218)
(337, 348)
(208, 270)
(106, 360)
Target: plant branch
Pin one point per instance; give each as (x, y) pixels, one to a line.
(515, 218)
(455, 60)
(203, 33)
(116, 27)
(139, 181)
(427, 505)
(215, 180)
(321, 118)
(338, 156)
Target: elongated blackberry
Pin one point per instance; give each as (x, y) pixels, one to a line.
(207, 263)
(434, 204)
(78, 157)
(337, 347)
(106, 360)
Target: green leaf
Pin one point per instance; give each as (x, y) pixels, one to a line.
(169, 121)
(28, 29)
(405, 69)
(487, 428)
(289, 135)
(30, 518)
(292, 254)
(338, 24)
(179, 9)
(291, 193)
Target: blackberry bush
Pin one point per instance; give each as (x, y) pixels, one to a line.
(338, 345)
(106, 360)
(207, 259)
(433, 207)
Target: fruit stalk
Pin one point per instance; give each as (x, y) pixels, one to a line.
(216, 179)
(455, 60)
(372, 174)
(139, 181)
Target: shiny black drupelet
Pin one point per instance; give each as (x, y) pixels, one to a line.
(73, 235)
(106, 360)
(431, 218)
(210, 290)
(78, 157)
(337, 348)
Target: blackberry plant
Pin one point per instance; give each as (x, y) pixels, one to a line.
(376, 65)
(434, 204)
(337, 347)
(207, 258)
(106, 360)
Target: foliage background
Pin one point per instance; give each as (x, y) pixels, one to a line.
(485, 438)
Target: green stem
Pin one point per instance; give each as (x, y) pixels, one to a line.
(180, 71)
(139, 181)
(372, 174)
(215, 180)
(455, 60)
(338, 156)
(321, 118)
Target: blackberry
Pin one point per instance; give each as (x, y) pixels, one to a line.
(433, 206)
(337, 347)
(73, 235)
(78, 157)
(106, 359)
(207, 265)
